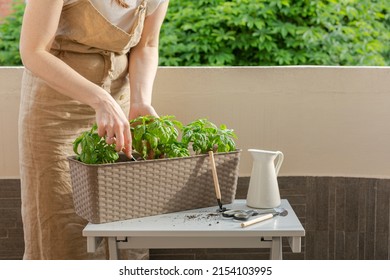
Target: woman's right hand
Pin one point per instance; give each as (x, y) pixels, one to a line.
(113, 124)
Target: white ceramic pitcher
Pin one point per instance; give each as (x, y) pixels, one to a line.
(263, 189)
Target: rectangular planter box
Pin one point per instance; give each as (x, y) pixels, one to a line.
(133, 189)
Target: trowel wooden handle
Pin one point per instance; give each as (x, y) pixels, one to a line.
(215, 176)
(257, 220)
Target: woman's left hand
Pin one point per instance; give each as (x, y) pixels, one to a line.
(139, 109)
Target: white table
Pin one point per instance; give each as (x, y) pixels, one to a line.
(200, 228)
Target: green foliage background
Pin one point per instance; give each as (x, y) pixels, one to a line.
(9, 36)
(276, 32)
(258, 32)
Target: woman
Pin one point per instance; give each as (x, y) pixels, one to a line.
(82, 59)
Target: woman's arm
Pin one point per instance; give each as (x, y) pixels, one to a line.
(40, 23)
(143, 64)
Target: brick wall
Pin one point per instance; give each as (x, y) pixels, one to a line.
(6, 7)
(11, 231)
(344, 218)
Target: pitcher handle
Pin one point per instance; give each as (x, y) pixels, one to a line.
(280, 158)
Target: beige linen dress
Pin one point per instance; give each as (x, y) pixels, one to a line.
(49, 122)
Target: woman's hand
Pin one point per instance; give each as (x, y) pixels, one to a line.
(137, 110)
(113, 125)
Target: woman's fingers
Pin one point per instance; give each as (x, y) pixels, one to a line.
(127, 143)
(102, 132)
(110, 139)
(114, 126)
(120, 136)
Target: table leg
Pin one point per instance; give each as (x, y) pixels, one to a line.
(91, 244)
(112, 248)
(276, 249)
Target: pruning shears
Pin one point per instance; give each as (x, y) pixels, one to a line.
(243, 215)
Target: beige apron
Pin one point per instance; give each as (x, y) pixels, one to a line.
(49, 122)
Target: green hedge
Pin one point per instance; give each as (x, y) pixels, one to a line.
(9, 36)
(276, 32)
(258, 32)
